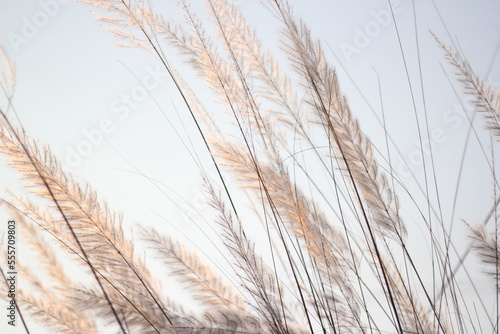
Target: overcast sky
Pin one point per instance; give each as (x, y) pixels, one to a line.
(71, 77)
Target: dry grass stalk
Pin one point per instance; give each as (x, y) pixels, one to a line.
(326, 269)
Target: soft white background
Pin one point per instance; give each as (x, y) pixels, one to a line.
(70, 72)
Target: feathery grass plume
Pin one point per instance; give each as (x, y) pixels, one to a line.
(355, 150)
(197, 276)
(220, 73)
(129, 21)
(378, 205)
(261, 182)
(256, 276)
(126, 279)
(486, 99)
(330, 265)
(487, 247)
(52, 304)
(326, 246)
(128, 282)
(222, 146)
(100, 235)
(204, 285)
(48, 258)
(237, 94)
(55, 313)
(487, 102)
(272, 83)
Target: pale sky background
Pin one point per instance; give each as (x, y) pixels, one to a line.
(70, 72)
